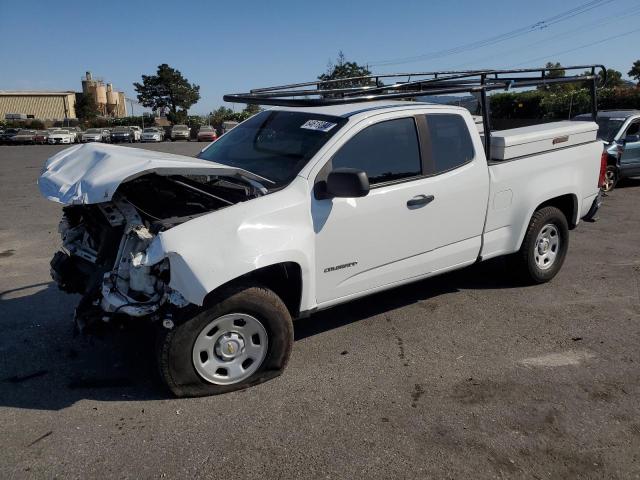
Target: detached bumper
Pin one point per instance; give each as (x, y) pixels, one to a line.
(595, 206)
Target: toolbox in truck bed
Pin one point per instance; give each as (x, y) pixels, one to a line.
(536, 139)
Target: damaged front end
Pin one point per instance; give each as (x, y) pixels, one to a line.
(111, 253)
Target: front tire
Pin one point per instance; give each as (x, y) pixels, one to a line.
(243, 338)
(544, 247)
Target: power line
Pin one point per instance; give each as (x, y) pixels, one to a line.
(540, 25)
(576, 48)
(581, 29)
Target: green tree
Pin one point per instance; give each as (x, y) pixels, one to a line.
(86, 108)
(168, 89)
(221, 115)
(635, 71)
(614, 78)
(560, 72)
(344, 69)
(249, 111)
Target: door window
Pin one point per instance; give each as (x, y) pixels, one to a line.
(386, 151)
(633, 131)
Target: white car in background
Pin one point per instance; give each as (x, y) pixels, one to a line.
(60, 136)
(152, 135)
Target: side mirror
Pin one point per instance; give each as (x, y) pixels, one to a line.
(347, 183)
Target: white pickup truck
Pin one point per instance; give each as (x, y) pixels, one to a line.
(299, 209)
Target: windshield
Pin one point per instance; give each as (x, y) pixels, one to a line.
(150, 130)
(94, 130)
(274, 144)
(608, 127)
(60, 132)
(180, 127)
(121, 129)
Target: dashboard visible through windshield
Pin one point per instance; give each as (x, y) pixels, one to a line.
(274, 144)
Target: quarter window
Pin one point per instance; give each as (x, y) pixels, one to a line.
(386, 151)
(451, 144)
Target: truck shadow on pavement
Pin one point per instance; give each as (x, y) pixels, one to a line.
(46, 366)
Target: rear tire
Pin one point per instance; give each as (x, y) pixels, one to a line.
(544, 247)
(193, 358)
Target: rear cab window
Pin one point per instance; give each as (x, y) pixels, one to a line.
(449, 143)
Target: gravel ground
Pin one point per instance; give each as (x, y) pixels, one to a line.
(459, 376)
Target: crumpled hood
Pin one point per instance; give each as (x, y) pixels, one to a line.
(91, 173)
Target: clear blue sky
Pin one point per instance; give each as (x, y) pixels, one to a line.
(232, 46)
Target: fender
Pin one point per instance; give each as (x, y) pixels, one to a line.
(214, 249)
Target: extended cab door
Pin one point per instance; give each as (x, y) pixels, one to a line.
(424, 213)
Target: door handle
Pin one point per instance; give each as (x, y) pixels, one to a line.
(420, 201)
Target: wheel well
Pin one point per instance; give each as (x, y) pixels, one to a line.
(567, 204)
(284, 279)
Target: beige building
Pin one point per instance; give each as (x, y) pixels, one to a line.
(16, 105)
(39, 105)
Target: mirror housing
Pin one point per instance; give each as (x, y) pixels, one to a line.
(347, 183)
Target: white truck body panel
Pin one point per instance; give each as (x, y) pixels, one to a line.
(366, 230)
(478, 211)
(518, 187)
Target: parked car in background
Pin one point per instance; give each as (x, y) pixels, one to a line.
(122, 134)
(60, 137)
(96, 135)
(180, 132)
(228, 125)
(620, 130)
(7, 135)
(42, 136)
(137, 133)
(152, 134)
(207, 134)
(24, 136)
(75, 132)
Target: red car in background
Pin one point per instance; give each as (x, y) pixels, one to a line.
(207, 134)
(41, 137)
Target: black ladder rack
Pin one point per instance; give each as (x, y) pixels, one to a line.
(410, 85)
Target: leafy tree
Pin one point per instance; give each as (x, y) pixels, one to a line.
(86, 108)
(221, 115)
(344, 69)
(614, 78)
(249, 111)
(635, 71)
(168, 89)
(560, 87)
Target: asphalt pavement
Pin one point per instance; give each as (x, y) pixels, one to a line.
(466, 375)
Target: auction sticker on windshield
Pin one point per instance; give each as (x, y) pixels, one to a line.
(319, 125)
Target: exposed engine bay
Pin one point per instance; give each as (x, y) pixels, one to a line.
(104, 253)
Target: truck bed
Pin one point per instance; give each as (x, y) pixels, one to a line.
(532, 164)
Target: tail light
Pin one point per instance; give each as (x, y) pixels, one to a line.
(603, 168)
